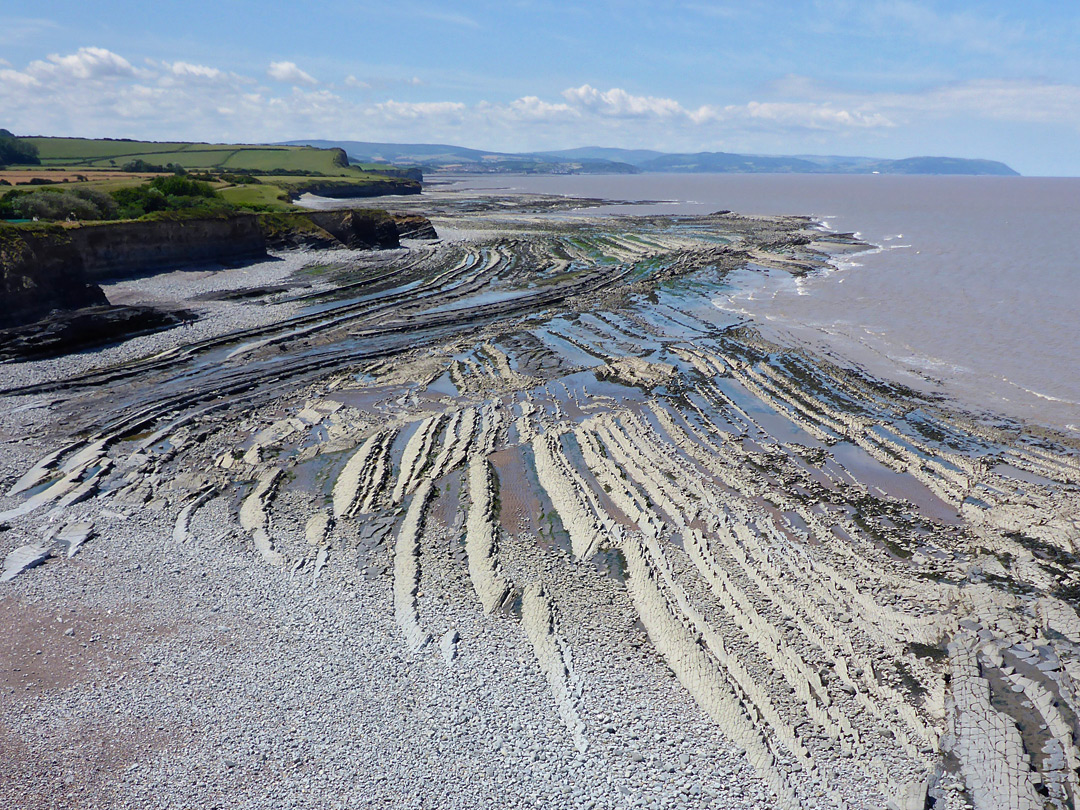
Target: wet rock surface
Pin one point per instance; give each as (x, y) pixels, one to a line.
(81, 329)
(519, 516)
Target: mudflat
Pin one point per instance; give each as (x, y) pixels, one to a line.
(517, 515)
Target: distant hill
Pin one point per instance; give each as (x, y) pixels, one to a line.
(635, 157)
(943, 165)
(439, 157)
(727, 163)
(446, 158)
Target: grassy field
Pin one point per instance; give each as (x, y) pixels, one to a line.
(105, 154)
(98, 180)
(283, 171)
(264, 195)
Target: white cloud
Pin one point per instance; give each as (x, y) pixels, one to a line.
(86, 63)
(188, 70)
(398, 111)
(620, 104)
(533, 108)
(14, 78)
(97, 93)
(1018, 100)
(445, 17)
(288, 72)
(617, 103)
(1023, 101)
(382, 83)
(811, 115)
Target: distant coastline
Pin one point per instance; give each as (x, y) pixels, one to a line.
(447, 158)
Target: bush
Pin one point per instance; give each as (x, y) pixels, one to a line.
(173, 193)
(57, 204)
(241, 179)
(177, 186)
(140, 165)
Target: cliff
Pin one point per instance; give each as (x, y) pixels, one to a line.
(113, 249)
(353, 229)
(41, 270)
(49, 267)
(347, 189)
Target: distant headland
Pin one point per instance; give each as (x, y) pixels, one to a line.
(446, 158)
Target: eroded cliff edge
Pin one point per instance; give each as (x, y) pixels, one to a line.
(57, 266)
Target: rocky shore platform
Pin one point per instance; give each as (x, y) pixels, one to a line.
(516, 517)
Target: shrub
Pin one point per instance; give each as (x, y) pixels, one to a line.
(173, 193)
(177, 186)
(56, 204)
(140, 165)
(241, 179)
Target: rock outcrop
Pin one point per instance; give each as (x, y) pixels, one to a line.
(41, 270)
(113, 249)
(56, 267)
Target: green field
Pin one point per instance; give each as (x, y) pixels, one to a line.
(264, 195)
(104, 154)
(283, 172)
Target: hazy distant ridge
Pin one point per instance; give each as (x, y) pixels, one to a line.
(435, 157)
(728, 162)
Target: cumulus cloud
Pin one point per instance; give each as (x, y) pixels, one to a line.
(536, 109)
(289, 73)
(96, 92)
(618, 103)
(186, 70)
(14, 78)
(86, 63)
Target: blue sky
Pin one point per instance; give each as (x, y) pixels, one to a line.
(999, 80)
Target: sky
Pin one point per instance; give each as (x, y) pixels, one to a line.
(997, 80)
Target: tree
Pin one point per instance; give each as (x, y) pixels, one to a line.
(14, 150)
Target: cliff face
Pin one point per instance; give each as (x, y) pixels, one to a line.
(47, 267)
(414, 227)
(345, 189)
(324, 229)
(41, 270)
(114, 249)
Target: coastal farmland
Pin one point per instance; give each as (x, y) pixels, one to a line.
(86, 152)
(246, 175)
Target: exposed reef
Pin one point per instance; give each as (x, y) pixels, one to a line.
(581, 538)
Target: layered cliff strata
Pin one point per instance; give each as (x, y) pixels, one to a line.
(59, 267)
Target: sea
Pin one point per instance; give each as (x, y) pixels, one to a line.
(970, 289)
